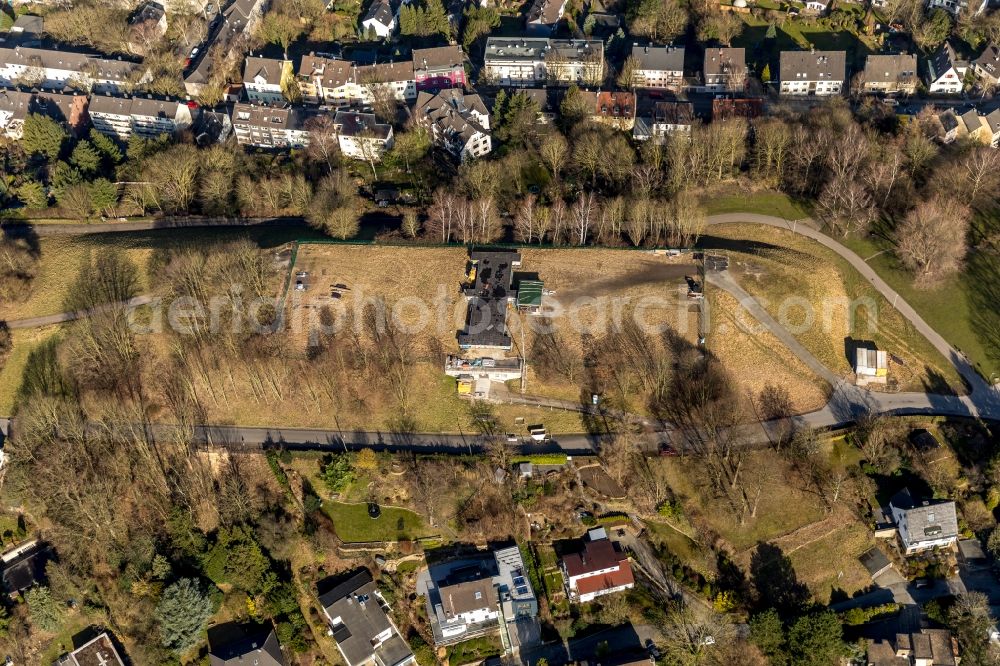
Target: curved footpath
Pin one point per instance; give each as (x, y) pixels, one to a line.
(847, 402)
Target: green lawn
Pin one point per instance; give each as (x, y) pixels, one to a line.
(963, 309)
(352, 523)
(764, 203)
(474, 650)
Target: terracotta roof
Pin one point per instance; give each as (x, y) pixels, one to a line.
(608, 581)
(596, 555)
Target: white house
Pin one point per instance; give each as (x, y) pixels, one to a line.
(945, 72)
(262, 79)
(923, 525)
(15, 106)
(599, 569)
(725, 69)
(817, 7)
(361, 136)
(813, 73)
(457, 122)
(381, 18)
(467, 604)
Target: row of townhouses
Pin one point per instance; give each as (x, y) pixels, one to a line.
(55, 69)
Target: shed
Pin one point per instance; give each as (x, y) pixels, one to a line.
(871, 365)
(529, 295)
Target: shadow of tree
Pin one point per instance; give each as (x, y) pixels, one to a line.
(775, 582)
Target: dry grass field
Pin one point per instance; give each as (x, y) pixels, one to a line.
(24, 341)
(785, 272)
(58, 262)
(756, 360)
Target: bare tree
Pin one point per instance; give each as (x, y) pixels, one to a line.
(932, 240)
(555, 152)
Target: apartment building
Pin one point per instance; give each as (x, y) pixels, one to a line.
(725, 69)
(324, 80)
(56, 69)
(529, 61)
(890, 74)
(121, 117)
(659, 67)
(271, 126)
(813, 73)
(439, 68)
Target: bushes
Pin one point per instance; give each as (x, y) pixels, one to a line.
(542, 459)
(857, 616)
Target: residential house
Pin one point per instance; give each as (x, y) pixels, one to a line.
(817, 7)
(819, 73)
(98, 651)
(458, 123)
(262, 79)
(987, 66)
(600, 568)
(56, 69)
(616, 109)
(666, 119)
(120, 117)
(380, 19)
(361, 136)
(659, 67)
(343, 83)
(529, 61)
(271, 126)
(239, 18)
(232, 644)
(543, 16)
(725, 69)
(23, 567)
(360, 623)
(468, 604)
(956, 7)
(945, 71)
(471, 598)
(923, 525)
(890, 74)
(929, 647)
(971, 125)
(438, 68)
(15, 105)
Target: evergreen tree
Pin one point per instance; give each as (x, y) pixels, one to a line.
(765, 75)
(43, 135)
(108, 149)
(182, 612)
(85, 158)
(44, 610)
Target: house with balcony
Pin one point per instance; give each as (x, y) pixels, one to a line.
(262, 79)
(457, 122)
(121, 117)
(725, 69)
(361, 136)
(925, 524)
(659, 67)
(946, 72)
(812, 73)
(271, 126)
(987, 66)
(890, 74)
(57, 69)
(438, 68)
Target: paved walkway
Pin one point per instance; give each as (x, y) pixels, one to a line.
(62, 317)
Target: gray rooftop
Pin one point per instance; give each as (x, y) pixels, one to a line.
(927, 520)
(357, 618)
(898, 69)
(352, 123)
(438, 58)
(724, 61)
(266, 69)
(516, 48)
(989, 61)
(660, 58)
(232, 644)
(813, 66)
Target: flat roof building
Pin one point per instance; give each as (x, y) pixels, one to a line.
(488, 294)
